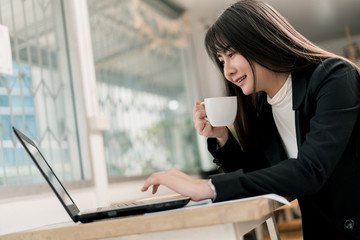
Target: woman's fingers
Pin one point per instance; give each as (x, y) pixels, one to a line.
(155, 188)
(179, 182)
(204, 128)
(201, 125)
(151, 181)
(199, 113)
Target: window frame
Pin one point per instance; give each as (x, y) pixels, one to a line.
(72, 58)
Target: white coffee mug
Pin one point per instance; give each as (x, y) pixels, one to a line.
(220, 111)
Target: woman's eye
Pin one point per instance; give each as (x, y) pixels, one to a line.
(221, 61)
(231, 54)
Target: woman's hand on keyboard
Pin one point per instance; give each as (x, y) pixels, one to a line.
(196, 189)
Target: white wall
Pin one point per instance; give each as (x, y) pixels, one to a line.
(337, 45)
(210, 81)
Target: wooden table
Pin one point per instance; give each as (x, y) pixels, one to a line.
(244, 215)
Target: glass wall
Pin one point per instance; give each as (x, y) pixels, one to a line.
(142, 69)
(37, 98)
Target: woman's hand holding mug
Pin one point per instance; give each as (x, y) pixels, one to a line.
(213, 115)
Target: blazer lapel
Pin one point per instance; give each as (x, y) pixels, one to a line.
(299, 82)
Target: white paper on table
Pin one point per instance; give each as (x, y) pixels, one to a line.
(208, 203)
(5, 53)
(269, 196)
(272, 196)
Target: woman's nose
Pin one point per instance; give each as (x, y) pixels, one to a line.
(229, 70)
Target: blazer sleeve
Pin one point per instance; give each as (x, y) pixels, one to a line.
(226, 157)
(331, 109)
(231, 157)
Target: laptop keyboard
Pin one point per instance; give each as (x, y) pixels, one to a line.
(154, 203)
(122, 205)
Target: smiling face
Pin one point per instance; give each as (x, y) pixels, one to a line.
(238, 71)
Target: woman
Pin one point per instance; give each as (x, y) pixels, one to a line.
(297, 124)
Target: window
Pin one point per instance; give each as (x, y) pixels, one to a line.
(37, 98)
(142, 71)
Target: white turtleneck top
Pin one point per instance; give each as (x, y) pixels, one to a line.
(284, 117)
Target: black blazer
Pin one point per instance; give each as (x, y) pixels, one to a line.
(325, 177)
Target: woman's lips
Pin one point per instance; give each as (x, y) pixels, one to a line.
(239, 80)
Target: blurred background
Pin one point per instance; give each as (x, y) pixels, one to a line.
(106, 89)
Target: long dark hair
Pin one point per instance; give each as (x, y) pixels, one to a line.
(260, 34)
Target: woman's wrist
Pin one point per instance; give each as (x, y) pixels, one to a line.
(211, 185)
(207, 192)
(223, 139)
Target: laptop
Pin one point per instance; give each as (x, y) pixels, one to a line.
(126, 209)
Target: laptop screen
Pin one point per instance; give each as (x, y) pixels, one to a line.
(48, 173)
